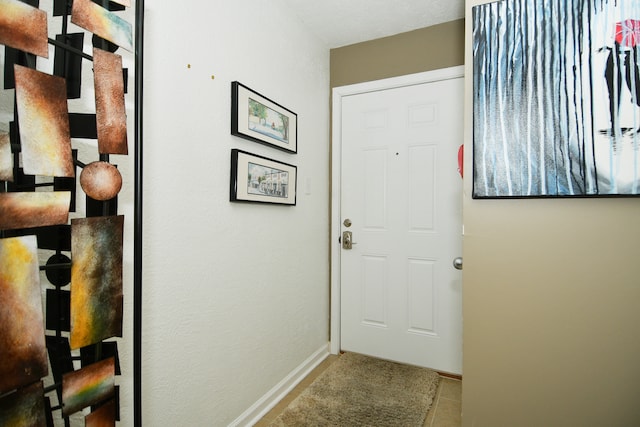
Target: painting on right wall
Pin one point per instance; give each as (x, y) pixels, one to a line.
(556, 98)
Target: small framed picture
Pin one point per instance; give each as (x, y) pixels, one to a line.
(261, 180)
(257, 118)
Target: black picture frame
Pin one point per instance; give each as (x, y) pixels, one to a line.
(258, 179)
(271, 124)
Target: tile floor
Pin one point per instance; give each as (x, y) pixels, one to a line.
(445, 411)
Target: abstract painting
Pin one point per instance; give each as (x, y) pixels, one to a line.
(101, 22)
(104, 416)
(34, 209)
(24, 407)
(88, 386)
(44, 123)
(96, 279)
(40, 200)
(23, 354)
(101, 180)
(556, 98)
(6, 158)
(111, 114)
(24, 27)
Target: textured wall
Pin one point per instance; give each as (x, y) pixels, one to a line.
(235, 295)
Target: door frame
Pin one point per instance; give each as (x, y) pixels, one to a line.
(336, 171)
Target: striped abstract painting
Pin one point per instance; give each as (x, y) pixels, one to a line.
(556, 98)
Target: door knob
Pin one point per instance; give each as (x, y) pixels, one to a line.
(347, 240)
(457, 263)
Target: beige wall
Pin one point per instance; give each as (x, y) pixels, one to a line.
(551, 308)
(426, 49)
(551, 287)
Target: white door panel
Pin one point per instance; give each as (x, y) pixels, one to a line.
(400, 295)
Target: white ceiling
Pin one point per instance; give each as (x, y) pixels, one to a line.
(344, 22)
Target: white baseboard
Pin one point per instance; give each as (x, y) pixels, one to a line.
(280, 390)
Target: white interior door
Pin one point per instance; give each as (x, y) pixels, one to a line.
(401, 197)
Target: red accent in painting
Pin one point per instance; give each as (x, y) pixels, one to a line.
(628, 32)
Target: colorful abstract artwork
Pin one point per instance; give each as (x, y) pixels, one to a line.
(88, 386)
(556, 107)
(24, 27)
(23, 356)
(33, 209)
(104, 416)
(61, 284)
(111, 115)
(96, 279)
(24, 407)
(44, 123)
(6, 158)
(103, 23)
(101, 180)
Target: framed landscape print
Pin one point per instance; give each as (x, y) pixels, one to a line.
(257, 118)
(261, 180)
